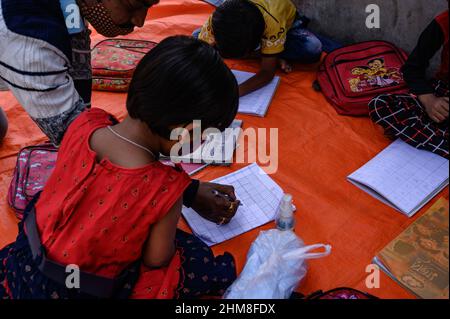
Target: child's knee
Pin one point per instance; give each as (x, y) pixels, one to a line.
(313, 47)
(303, 47)
(196, 33)
(3, 124)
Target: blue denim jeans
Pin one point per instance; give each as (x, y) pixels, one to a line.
(304, 46)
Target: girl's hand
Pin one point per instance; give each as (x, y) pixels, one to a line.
(216, 208)
(436, 107)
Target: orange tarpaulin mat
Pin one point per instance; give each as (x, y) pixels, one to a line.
(317, 151)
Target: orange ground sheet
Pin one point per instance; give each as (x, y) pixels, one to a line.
(317, 151)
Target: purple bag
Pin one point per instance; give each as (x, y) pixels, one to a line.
(34, 166)
(340, 293)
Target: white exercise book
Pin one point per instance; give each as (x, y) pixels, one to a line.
(260, 197)
(218, 148)
(403, 177)
(257, 102)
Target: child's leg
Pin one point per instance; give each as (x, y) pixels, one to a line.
(328, 45)
(301, 45)
(402, 116)
(196, 33)
(305, 46)
(3, 124)
(203, 273)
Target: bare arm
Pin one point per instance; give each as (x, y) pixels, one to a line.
(269, 65)
(160, 247)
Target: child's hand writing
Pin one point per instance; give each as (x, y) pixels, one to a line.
(215, 208)
(437, 108)
(269, 65)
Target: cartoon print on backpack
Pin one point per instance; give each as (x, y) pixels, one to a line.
(374, 75)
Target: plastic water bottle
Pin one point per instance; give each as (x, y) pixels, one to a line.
(285, 217)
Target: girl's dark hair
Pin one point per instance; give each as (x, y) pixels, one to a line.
(183, 79)
(238, 27)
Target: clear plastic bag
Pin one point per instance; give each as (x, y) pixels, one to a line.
(276, 263)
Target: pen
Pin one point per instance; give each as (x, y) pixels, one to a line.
(217, 193)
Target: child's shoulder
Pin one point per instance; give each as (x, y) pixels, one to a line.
(85, 123)
(91, 118)
(93, 115)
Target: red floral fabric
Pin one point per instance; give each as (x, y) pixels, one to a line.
(97, 215)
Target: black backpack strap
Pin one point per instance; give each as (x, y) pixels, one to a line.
(90, 284)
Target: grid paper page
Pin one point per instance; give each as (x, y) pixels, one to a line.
(403, 177)
(260, 197)
(256, 103)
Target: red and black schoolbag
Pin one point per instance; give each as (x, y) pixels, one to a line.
(351, 76)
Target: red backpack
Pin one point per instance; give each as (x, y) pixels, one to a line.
(351, 76)
(114, 62)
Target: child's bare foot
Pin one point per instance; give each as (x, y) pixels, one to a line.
(285, 66)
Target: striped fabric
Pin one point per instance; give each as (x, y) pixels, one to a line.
(37, 72)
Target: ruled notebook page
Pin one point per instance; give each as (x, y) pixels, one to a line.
(257, 102)
(403, 177)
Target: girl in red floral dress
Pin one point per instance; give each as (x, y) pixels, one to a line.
(111, 208)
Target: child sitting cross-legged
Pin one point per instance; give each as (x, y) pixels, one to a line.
(270, 29)
(420, 118)
(111, 208)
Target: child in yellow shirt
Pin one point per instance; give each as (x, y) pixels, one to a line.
(271, 29)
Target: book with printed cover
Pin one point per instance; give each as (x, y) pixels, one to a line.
(418, 258)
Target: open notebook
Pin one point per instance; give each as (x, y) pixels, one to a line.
(189, 168)
(218, 148)
(260, 197)
(256, 103)
(403, 177)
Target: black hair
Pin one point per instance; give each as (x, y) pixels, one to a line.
(238, 26)
(180, 80)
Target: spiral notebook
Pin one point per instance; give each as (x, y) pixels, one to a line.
(256, 103)
(403, 177)
(260, 197)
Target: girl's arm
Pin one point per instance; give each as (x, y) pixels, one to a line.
(414, 70)
(160, 246)
(269, 65)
